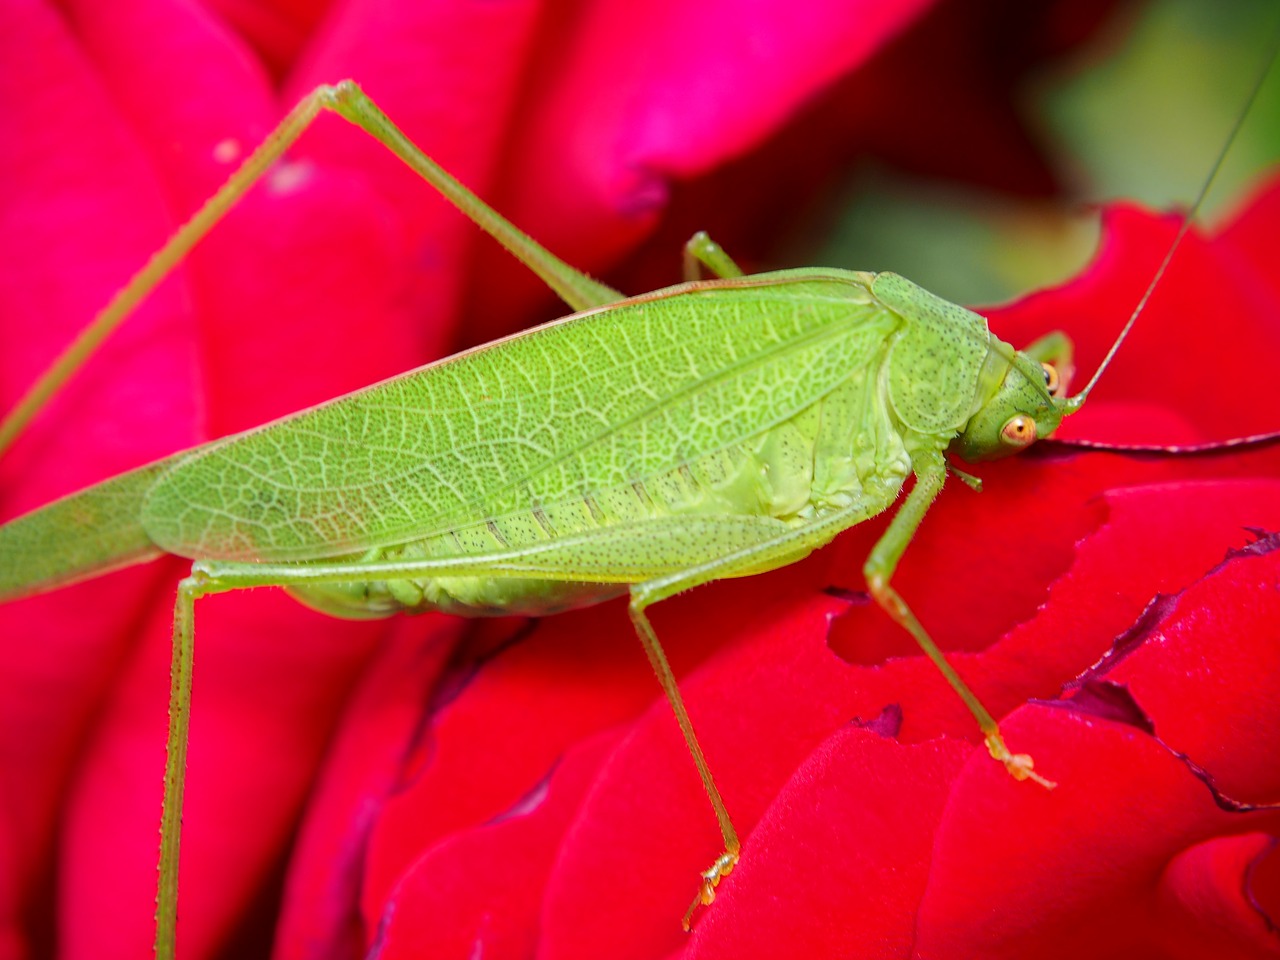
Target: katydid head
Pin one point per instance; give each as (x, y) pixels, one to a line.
(1025, 403)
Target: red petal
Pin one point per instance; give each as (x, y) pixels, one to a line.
(838, 864)
(481, 891)
(688, 88)
(1106, 862)
(320, 915)
(82, 210)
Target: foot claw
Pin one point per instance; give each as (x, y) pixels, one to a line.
(707, 891)
(1019, 765)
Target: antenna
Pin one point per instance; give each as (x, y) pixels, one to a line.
(1208, 448)
(1075, 403)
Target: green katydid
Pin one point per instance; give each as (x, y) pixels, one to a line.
(654, 476)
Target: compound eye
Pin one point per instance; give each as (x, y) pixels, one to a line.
(1019, 431)
(1051, 381)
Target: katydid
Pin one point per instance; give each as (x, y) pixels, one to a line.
(643, 446)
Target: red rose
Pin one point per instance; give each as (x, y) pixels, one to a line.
(529, 795)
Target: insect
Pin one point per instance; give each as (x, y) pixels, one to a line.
(530, 550)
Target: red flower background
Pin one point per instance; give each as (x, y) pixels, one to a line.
(438, 788)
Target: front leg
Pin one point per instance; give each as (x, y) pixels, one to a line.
(931, 472)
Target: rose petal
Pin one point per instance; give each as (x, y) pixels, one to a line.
(838, 863)
(482, 890)
(320, 914)
(84, 211)
(688, 88)
(1093, 866)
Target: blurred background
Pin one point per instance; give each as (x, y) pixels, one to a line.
(971, 154)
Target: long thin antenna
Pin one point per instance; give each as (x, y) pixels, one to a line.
(1208, 448)
(1074, 403)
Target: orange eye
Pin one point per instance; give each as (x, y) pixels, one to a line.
(1019, 431)
(1050, 378)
